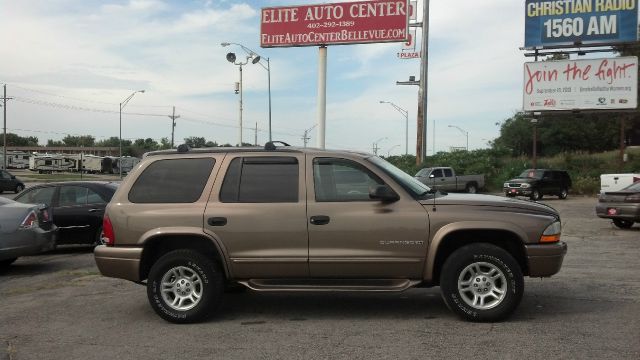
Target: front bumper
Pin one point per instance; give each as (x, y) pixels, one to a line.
(544, 260)
(119, 262)
(517, 191)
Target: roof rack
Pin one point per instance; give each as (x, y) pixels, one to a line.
(271, 145)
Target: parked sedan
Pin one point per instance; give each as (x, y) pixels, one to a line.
(622, 206)
(78, 207)
(25, 229)
(9, 182)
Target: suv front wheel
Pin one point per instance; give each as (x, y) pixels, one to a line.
(184, 286)
(481, 282)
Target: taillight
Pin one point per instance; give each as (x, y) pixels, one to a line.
(107, 231)
(30, 221)
(635, 198)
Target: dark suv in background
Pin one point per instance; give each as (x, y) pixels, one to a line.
(535, 183)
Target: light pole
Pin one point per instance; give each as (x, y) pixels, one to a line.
(122, 105)
(256, 60)
(404, 113)
(466, 133)
(391, 148)
(231, 57)
(535, 143)
(375, 145)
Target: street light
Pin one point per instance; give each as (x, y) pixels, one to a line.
(404, 113)
(466, 133)
(256, 60)
(375, 145)
(122, 105)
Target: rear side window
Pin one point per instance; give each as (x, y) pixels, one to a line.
(172, 181)
(72, 196)
(261, 179)
(43, 195)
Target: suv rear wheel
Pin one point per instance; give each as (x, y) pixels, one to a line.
(184, 286)
(481, 282)
(563, 194)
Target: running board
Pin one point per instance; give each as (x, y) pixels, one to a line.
(330, 284)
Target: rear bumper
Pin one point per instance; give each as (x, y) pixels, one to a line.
(545, 259)
(119, 262)
(622, 211)
(28, 242)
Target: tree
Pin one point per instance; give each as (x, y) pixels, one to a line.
(84, 140)
(113, 141)
(195, 141)
(16, 140)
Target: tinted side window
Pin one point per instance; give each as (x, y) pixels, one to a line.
(94, 198)
(448, 173)
(338, 180)
(72, 196)
(437, 173)
(259, 179)
(37, 196)
(172, 181)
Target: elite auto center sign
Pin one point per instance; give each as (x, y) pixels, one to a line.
(339, 23)
(591, 84)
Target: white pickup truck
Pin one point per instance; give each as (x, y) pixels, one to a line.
(445, 179)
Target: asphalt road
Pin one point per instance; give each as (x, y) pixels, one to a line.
(57, 306)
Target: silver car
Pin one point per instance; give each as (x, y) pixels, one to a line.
(25, 229)
(622, 206)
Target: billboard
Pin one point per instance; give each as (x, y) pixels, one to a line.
(340, 23)
(594, 84)
(564, 22)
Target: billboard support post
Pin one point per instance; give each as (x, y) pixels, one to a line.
(322, 95)
(424, 71)
(621, 142)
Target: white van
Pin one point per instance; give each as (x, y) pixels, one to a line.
(615, 182)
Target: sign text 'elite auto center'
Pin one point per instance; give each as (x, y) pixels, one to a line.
(567, 22)
(339, 23)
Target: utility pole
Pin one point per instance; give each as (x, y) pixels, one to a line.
(173, 123)
(4, 138)
(255, 135)
(306, 137)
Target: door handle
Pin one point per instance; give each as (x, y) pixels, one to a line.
(320, 220)
(217, 221)
(94, 210)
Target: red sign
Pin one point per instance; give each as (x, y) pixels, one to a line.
(341, 23)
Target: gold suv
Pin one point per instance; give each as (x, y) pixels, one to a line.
(190, 223)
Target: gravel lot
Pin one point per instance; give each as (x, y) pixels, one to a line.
(57, 306)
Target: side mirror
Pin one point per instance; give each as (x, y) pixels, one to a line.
(383, 193)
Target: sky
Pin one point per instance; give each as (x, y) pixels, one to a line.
(69, 63)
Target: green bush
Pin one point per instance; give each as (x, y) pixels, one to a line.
(497, 166)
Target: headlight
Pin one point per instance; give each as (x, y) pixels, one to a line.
(551, 233)
(525, 186)
(505, 185)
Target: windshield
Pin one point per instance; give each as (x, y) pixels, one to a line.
(633, 187)
(408, 182)
(537, 174)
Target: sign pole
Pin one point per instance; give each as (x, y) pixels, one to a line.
(322, 94)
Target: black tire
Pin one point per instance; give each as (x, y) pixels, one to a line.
(507, 277)
(97, 237)
(471, 188)
(194, 265)
(535, 195)
(18, 188)
(563, 194)
(623, 224)
(509, 195)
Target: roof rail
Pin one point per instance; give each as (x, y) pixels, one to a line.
(271, 145)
